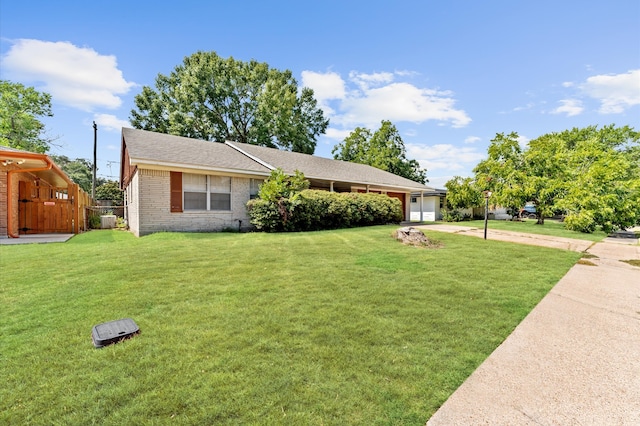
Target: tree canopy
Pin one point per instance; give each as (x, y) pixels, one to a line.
(211, 98)
(20, 109)
(79, 170)
(590, 175)
(462, 193)
(383, 149)
(110, 190)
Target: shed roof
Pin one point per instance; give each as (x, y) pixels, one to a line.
(33, 162)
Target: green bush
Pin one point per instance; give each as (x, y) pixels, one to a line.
(452, 216)
(581, 221)
(312, 210)
(94, 221)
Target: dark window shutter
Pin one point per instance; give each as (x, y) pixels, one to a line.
(176, 192)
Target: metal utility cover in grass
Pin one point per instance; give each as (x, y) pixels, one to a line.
(113, 332)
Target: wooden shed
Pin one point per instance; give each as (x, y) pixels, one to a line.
(37, 197)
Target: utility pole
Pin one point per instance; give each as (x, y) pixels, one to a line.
(95, 145)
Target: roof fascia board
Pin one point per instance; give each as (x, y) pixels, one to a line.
(158, 165)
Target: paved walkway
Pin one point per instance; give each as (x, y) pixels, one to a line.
(574, 360)
(36, 238)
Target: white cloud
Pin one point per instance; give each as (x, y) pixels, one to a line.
(337, 134)
(568, 84)
(444, 157)
(76, 76)
(523, 141)
(403, 102)
(570, 107)
(325, 85)
(439, 181)
(367, 99)
(616, 92)
(365, 81)
(110, 122)
(472, 139)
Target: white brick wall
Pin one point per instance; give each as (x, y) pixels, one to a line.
(149, 207)
(132, 205)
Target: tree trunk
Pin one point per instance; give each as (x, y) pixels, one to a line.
(540, 220)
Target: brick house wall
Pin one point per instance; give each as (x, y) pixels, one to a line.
(149, 203)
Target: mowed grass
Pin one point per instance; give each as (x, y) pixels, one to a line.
(550, 227)
(337, 327)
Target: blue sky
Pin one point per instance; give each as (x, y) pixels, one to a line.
(448, 74)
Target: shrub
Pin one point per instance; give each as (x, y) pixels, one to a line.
(452, 216)
(312, 210)
(94, 221)
(581, 221)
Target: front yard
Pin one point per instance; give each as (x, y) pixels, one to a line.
(336, 327)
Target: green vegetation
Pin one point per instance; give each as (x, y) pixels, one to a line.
(335, 327)
(383, 149)
(590, 175)
(530, 226)
(21, 108)
(285, 204)
(211, 98)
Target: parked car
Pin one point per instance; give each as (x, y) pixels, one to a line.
(528, 211)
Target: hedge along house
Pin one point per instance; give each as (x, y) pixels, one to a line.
(36, 197)
(173, 183)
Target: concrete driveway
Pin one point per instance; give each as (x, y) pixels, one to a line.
(575, 359)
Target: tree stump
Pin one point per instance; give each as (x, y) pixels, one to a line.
(412, 236)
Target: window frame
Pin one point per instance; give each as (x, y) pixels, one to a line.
(208, 192)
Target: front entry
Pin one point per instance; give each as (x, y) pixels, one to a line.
(403, 199)
(43, 209)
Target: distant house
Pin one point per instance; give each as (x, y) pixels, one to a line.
(174, 183)
(37, 197)
(427, 206)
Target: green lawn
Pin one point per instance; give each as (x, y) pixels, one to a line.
(337, 327)
(550, 227)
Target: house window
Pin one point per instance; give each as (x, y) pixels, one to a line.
(414, 200)
(202, 192)
(194, 189)
(254, 188)
(220, 193)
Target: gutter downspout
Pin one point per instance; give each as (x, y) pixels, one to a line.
(9, 186)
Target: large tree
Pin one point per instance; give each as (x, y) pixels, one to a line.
(20, 110)
(383, 149)
(590, 175)
(503, 172)
(79, 170)
(211, 98)
(602, 178)
(463, 193)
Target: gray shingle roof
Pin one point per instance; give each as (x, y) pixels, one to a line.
(151, 147)
(315, 167)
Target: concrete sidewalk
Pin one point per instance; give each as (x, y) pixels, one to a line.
(36, 239)
(574, 360)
